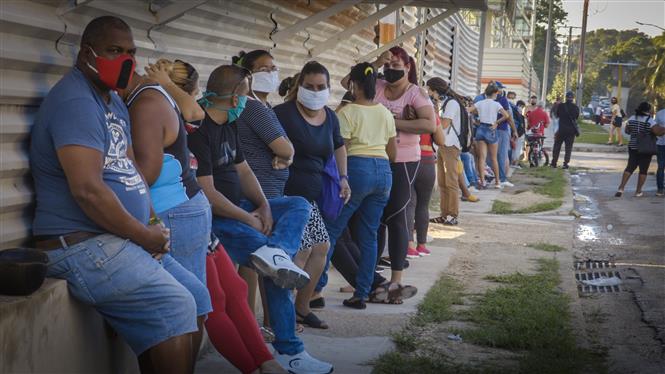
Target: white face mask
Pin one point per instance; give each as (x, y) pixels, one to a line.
(313, 100)
(264, 81)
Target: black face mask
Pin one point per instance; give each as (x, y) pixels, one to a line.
(533, 103)
(392, 75)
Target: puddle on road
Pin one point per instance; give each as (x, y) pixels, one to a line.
(587, 233)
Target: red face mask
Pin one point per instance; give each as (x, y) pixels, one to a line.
(114, 73)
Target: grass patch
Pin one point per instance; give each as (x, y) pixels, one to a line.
(530, 315)
(591, 133)
(547, 247)
(555, 187)
(436, 306)
(502, 207)
(507, 278)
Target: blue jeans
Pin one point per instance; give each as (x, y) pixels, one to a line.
(190, 224)
(370, 180)
(660, 173)
(146, 301)
(469, 168)
(290, 215)
(502, 152)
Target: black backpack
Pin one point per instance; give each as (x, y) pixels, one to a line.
(519, 120)
(464, 135)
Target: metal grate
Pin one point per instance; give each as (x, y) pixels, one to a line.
(584, 289)
(594, 264)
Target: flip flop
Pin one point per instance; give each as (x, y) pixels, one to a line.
(439, 220)
(311, 320)
(318, 303)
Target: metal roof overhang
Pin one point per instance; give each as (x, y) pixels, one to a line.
(446, 4)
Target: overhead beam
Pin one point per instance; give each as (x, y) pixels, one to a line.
(69, 5)
(409, 34)
(176, 10)
(282, 35)
(331, 42)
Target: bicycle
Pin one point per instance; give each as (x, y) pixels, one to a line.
(536, 149)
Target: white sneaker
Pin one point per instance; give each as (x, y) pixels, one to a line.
(276, 264)
(473, 189)
(507, 184)
(497, 186)
(303, 363)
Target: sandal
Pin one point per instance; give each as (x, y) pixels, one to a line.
(268, 335)
(402, 292)
(312, 321)
(299, 328)
(439, 220)
(380, 293)
(318, 303)
(618, 194)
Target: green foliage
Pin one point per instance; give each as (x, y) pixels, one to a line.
(547, 247)
(559, 16)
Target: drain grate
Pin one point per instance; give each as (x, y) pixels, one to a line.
(594, 264)
(583, 288)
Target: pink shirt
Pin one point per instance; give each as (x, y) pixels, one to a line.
(408, 145)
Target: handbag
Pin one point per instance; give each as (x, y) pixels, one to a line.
(646, 142)
(329, 202)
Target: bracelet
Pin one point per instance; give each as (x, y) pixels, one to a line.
(154, 221)
(344, 177)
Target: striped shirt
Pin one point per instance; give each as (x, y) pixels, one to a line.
(258, 126)
(638, 125)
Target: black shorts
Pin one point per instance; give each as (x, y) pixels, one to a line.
(637, 160)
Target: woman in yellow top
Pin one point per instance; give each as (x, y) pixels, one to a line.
(369, 133)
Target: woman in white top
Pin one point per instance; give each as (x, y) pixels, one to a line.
(490, 113)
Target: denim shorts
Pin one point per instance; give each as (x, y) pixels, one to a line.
(190, 224)
(135, 293)
(485, 133)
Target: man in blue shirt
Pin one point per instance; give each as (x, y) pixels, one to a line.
(93, 208)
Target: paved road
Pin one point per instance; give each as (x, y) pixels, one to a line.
(630, 231)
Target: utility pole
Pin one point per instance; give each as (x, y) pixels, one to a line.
(543, 92)
(532, 32)
(580, 69)
(481, 48)
(568, 58)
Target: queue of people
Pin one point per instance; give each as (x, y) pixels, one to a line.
(169, 214)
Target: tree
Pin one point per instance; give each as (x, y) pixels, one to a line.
(652, 73)
(559, 16)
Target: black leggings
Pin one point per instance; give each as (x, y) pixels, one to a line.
(347, 255)
(394, 215)
(636, 160)
(421, 193)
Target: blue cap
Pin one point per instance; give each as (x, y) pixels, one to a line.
(499, 85)
(570, 95)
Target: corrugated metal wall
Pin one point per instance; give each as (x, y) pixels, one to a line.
(511, 67)
(206, 36)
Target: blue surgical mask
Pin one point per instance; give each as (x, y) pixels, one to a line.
(234, 113)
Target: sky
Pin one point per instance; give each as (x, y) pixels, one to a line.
(618, 14)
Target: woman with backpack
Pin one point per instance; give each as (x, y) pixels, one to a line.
(639, 124)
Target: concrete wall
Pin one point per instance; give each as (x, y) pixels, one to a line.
(50, 332)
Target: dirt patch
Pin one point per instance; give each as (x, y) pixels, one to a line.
(523, 198)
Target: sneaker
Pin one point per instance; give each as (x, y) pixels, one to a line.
(412, 253)
(497, 186)
(303, 363)
(660, 193)
(507, 184)
(564, 166)
(553, 166)
(422, 250)
(379, 269)
(276, 264)
(451, 221)
(384, 261)
(473, 189)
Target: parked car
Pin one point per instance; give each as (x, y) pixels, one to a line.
(587, 113)
(606, 116)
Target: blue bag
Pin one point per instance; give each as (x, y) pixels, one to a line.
(330, 204)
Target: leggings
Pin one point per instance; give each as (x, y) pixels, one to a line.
(394, 215)
(346, 258)
(421, 193)
(636, 160)
(231, 325)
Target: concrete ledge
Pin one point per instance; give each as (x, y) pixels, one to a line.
(49, 331)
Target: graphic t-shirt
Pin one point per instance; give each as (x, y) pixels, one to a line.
(73, 113)
(368, 129)
(258, 126)
(217, 150)
(313, 145)
(536, 117)
(408, 145)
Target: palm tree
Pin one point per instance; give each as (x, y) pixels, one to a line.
(652, 73)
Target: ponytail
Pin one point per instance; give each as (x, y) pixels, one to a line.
(413, 74)
(364, 75)
(443, 89)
